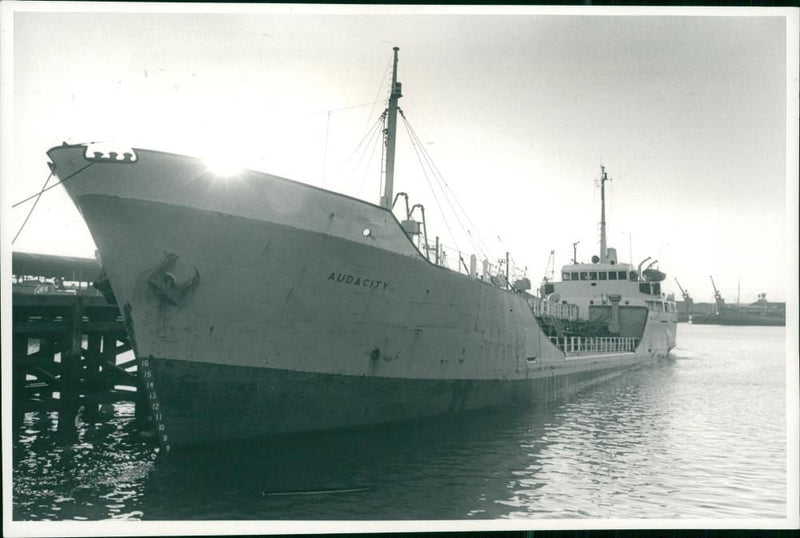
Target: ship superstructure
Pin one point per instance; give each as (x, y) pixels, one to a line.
(758, 313)
(614, 298)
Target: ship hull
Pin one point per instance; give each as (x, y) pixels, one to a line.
(206, 403)
(265, 306)
(738, 320)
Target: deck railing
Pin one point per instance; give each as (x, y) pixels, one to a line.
(543, 307)
(590, 345)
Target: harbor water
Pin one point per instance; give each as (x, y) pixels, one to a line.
(699, 435)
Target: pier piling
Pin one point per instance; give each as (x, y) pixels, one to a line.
(70, 348)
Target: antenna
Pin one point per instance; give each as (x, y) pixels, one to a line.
(630, 246)
(575, 252)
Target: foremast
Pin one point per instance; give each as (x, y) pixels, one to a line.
(387, 198)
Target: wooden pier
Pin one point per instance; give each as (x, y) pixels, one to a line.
(70, 348)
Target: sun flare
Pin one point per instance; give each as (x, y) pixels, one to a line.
(222, 166)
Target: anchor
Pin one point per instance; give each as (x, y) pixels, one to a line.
(163, 281)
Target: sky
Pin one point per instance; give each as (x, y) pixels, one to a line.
(517, 109)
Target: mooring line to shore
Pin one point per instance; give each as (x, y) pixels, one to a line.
(32, 196)
(38, 197)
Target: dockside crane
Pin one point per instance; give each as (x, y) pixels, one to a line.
(549, 270)
(686, 297)
(687, 301)
(718, 300)
(549, 275)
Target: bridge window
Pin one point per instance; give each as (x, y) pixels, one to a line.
(592, 275)
(574, 275)
(634, 276)
(654, 306)
(622, 275)
(564, 276)
(584, 275)
(602, 275)
(612, 275)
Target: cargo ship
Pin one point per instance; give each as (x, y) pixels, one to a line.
(759, 313)
(261, 306)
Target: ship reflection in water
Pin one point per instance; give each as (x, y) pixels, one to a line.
(698, 435)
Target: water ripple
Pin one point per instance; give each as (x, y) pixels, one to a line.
(698, 436)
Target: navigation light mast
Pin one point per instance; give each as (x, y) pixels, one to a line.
(603, 250)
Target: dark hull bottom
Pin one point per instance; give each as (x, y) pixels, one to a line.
(203, 403)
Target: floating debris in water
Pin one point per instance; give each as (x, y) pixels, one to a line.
(313, 492)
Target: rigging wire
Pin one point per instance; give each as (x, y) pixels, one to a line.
(325, 151)
(433, 191)
(373, 103)
(368, 135)
(327, 129)
(368, 129)
(376, 142)
(446, 187)
(381, 87)
(480, 246)
(384, 160)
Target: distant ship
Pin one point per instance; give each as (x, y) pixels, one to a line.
(261, 306)
(760, 312)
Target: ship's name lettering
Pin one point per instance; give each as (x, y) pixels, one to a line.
(353, 280)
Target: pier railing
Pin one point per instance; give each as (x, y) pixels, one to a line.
(590, 345)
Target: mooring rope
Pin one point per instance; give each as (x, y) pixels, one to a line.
(32, 196)
(39, 194)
